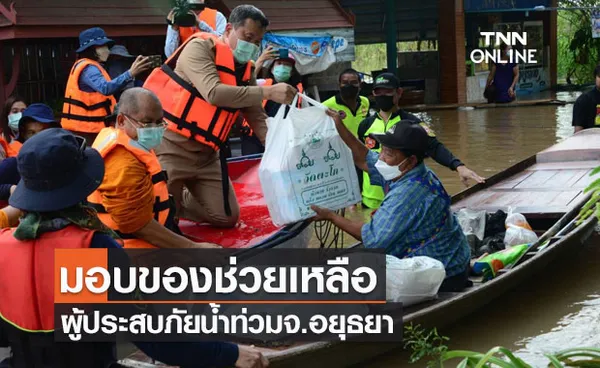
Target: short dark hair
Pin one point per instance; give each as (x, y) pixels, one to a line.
(241, 13)
(597, 71)
(418, 154)
(349, 71)
(503, 46)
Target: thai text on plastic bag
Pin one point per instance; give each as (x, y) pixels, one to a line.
(305, 163)
(413, 280)
(518, 230)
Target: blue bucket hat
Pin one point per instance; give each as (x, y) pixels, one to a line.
(57, 171)
(38, 112)
(93, 37)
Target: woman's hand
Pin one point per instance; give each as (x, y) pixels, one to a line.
(140, 65)
(268, 54)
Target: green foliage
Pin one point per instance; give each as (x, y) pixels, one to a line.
(592, 206)
(430, 344)
(373, 57)
(578, 52)
(424, 344)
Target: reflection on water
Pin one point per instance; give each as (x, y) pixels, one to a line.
(556, 310)
(490, 140)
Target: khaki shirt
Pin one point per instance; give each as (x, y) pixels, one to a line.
(196, 65)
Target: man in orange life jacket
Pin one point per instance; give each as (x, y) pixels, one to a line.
(212, 83)
(133, 198)
(282, 69)
(207, 19)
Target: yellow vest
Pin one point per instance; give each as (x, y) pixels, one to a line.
(373, 194)
(351, 121)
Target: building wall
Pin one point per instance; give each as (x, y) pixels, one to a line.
(327, 81)
(452, 54)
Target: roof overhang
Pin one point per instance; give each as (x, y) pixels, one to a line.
(415, 20)
(28, 32)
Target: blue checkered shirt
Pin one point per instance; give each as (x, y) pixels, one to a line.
(415, 219)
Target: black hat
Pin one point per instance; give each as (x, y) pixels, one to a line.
(386, 80)
(404, 136)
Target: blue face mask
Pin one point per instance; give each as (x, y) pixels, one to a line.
(245, 51)
(150, 138)
(282, 73)
(13, 121)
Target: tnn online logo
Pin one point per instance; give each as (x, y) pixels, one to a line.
(512, 39)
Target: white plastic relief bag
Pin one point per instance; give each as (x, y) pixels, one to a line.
(413, 280)
(518, 230)
(472, 222)
(305, 162)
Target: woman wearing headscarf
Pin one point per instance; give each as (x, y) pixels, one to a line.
(89, 96)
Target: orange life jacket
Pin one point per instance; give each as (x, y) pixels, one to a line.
(185, 110)
(105, 142)
(13, 148)
(27, 276)
(85, 111)
(268, 82)
(207, 15)
(4, 145)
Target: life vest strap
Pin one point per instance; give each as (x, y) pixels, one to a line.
(189, 87)
(88, 119)
(225, 69)
(161, 176)
(225, 181)
(160, 206)
(193, 128)
(106, 104)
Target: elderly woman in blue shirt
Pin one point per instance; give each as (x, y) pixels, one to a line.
(415, 218)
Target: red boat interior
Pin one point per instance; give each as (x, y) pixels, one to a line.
(254, 225)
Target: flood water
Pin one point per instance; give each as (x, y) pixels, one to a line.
(557, 309)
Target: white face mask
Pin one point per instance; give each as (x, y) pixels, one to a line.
(389, 172)
(13, 121)
(103, 53)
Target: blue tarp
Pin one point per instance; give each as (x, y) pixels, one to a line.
(486, 5)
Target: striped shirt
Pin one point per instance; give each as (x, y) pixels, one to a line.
(415, 219)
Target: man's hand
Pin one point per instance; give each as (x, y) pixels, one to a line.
(511, 92)
(250, 357)
(337, 116)
(12, 215)
(323, 214)
(12, 189)
(281, 93)
(466, 174)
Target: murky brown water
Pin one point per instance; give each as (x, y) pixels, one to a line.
(557, 310)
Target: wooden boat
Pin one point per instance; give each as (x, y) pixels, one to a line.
(255, 228)
(547, 188)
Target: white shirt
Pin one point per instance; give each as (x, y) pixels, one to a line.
(172, 41)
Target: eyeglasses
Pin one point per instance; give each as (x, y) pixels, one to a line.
(161, 124)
